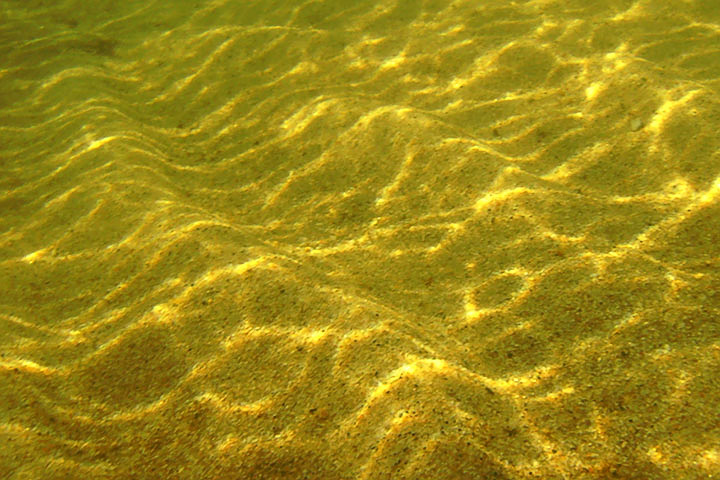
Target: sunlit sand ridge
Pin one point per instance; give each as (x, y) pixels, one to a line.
(412, 240)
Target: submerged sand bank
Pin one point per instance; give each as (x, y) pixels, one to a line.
(378, 240)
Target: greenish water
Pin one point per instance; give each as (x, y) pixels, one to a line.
(359, 240)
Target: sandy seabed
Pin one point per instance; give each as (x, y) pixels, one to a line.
(359, 240)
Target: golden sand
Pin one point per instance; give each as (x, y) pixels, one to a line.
(360, 240)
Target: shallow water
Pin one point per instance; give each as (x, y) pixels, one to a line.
(359, 240)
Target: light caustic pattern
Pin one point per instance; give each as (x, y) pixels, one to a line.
(359, 240)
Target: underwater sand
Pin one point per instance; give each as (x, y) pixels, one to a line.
(359, 240)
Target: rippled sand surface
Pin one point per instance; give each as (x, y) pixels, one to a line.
(359, 240)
